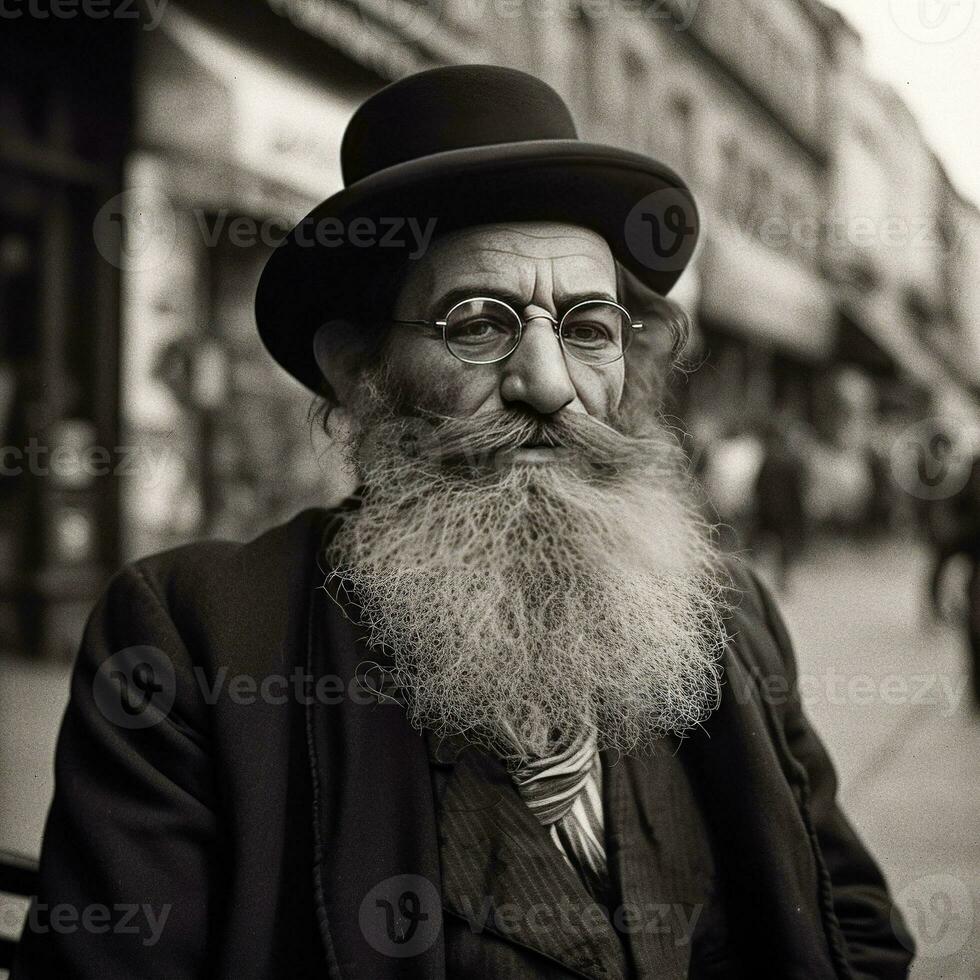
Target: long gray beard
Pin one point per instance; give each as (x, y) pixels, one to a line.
(521, 603)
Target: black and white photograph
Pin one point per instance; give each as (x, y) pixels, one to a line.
(637, 638)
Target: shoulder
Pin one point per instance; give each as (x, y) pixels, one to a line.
(227, 571)
(756, 627)
(195, 615)
(218, 602)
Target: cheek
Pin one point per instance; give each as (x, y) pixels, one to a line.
(600, 391)
(429, 377)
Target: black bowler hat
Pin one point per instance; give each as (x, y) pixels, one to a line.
(463, 145)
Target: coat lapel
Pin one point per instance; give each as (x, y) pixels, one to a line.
(376, 859)
(502, 872)
(659, 860)
(749, 791)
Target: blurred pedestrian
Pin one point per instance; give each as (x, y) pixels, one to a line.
(780, 495)
(964, 541)
(731, 466)
(878, 514)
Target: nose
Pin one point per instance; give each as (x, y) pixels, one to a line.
(536, 374)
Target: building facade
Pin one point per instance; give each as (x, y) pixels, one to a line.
(822, 289)
(957, 338)
(766, 109)
(835, 285)
(65, 122)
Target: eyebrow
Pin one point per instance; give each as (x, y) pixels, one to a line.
(445, 302)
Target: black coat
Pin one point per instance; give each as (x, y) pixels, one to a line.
(261, 828)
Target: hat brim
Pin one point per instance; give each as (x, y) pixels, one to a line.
(322, 269)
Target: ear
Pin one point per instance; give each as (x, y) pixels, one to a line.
(323, 342)
(661, 311)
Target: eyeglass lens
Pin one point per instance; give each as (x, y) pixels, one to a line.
(486, 330)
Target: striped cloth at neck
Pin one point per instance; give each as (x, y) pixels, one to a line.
(564, 791)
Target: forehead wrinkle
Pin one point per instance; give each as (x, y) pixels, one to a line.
(488, 263)
(489, 266)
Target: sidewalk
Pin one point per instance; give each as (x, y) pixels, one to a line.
(888, 694)
(33, 697)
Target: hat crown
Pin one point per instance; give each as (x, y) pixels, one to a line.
(450, 108)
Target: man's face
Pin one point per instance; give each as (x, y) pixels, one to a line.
(537, 267)
(525, 552)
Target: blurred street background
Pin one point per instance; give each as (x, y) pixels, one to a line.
(832, 407)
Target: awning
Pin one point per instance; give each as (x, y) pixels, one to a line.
(878, 338)
(766, 297)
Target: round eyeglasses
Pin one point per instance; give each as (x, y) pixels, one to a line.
(482, 330)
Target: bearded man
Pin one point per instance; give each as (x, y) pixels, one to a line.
(539, 728)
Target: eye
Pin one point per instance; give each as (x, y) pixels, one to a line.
(481, 323)
(478, 327)
(588, 333)
(478, 330)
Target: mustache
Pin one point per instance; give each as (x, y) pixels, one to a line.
(490, 437)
